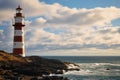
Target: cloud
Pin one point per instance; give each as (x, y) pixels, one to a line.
(38, 21)
(1, 34)
(56, 27)
(87, 17)
(6, 37)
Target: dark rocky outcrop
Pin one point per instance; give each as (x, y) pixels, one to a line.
(15, 67)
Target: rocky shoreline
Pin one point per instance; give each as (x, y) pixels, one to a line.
(15, 67)
(33, 78)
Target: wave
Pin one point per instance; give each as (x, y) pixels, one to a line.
(99, 69)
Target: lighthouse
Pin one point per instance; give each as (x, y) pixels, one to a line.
(18, 42)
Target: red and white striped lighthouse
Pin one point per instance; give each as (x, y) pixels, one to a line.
(18, 42)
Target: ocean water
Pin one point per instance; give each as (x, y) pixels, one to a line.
(92, 68)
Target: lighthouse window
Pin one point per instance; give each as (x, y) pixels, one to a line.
(15, 32)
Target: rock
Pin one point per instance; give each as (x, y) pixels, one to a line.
(73, 69)
(108, 69)
(15, 67)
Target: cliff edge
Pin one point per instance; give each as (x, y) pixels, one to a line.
(15, 67)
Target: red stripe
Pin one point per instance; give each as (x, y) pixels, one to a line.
(18, 38)
(18, 24)
(18, 50)
(19, 15)
(18, 27)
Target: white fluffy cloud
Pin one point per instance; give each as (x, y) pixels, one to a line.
(56, 27)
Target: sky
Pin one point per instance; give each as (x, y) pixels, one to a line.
(64, 27)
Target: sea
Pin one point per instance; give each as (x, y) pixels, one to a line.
(92, 67)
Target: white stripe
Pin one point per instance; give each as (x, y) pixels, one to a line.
(18, 33)
(18, 45)
(23, 55)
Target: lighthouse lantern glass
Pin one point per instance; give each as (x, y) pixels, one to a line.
(18, 19)
(18, 11)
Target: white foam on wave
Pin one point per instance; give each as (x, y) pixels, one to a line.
(81, 72)
(70, 66)
(115, 65)
(95, 69)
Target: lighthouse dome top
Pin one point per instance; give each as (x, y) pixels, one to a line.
(19, 8)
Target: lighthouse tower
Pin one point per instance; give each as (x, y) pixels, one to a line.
(18, 42)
